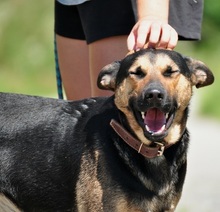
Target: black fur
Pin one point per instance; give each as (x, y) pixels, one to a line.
(41, 146)
(43, 143)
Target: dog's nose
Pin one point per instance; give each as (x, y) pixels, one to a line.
(154, 95)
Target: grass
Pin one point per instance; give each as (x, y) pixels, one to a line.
(27, 59)
(26, 53)
(207, 51)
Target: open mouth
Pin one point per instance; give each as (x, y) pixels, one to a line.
(157, 122)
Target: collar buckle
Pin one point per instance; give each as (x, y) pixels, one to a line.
(161, 148)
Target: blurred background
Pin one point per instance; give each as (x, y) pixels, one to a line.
(27, 66)
(26, 50)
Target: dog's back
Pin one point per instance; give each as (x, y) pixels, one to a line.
(41, 144)
(93, 155)
(57, 155)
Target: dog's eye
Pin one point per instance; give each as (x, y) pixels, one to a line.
(138, 72)
(169, 71)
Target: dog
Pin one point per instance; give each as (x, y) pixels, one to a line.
(124, 153)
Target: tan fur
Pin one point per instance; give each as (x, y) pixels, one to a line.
(180, 87)
(123, 206)
(6, 205)
(89, 190)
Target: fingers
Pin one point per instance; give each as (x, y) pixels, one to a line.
(131, 40)
(138, 36)
(152, 34)
(168, 37)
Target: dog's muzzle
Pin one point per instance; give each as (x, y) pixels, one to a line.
(155, 113)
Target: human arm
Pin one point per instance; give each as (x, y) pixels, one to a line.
(152, 28)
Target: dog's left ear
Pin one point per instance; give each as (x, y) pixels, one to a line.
(201, 75)
(106, 78)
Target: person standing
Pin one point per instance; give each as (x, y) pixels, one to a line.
(92, 33)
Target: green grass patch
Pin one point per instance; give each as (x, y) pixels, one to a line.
(208, 51)
(26, 53)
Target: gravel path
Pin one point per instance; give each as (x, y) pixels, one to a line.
(201, 191)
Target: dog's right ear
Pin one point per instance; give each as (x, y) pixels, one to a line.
(106, 78)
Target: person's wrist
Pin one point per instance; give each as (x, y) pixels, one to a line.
(152, 18)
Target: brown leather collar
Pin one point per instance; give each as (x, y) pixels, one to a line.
(146, 151)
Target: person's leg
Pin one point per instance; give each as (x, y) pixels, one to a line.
(101, 53)
(106, 36)
(72, 51)
(74, 67)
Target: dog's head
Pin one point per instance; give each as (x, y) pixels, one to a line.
(153, 89)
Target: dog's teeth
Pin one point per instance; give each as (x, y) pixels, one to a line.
(158, 132)
(167, 114)
(143, 115)
(147, 128)
(162, 128)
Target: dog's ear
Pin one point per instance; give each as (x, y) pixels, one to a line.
(201, 74)
(106, 78)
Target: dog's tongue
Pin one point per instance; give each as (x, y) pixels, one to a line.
(154, 120)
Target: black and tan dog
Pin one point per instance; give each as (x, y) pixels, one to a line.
(122, 153)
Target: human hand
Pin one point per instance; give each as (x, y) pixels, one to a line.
(152, 33)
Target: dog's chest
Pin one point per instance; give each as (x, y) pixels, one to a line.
(94, 193)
